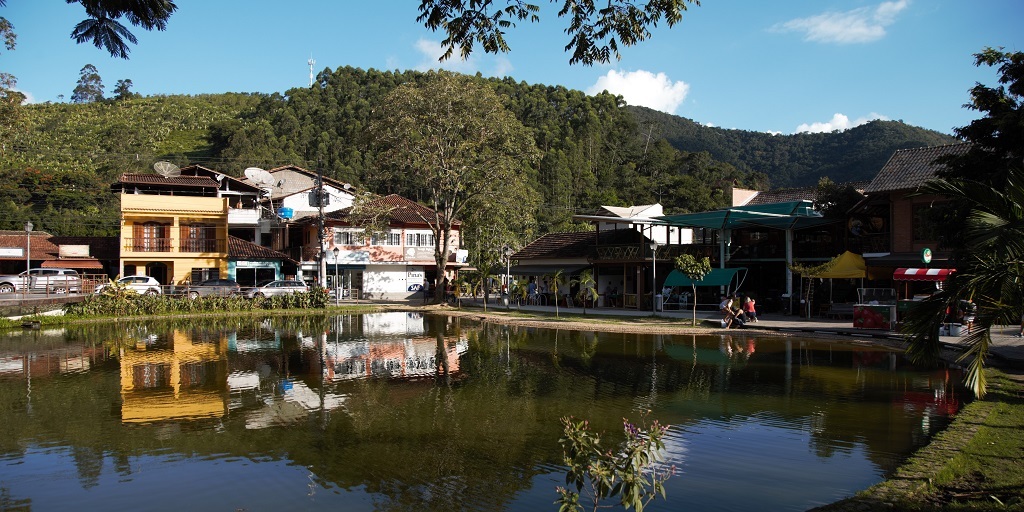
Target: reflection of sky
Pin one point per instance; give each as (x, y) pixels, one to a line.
(48, 478)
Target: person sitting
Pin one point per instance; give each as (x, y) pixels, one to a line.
(726, 308)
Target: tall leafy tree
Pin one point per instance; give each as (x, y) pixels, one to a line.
(123, 89)
(986, 230)
(596, 28)
(451, 137)
(90, 86)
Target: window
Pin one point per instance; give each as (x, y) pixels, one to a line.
(925, 217)
(151, 237)
(345, 238)
(388, 239)
(419, 239)
(198, 238)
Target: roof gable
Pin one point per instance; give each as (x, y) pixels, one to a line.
(239, 249)
(401, 211)
(908, 169)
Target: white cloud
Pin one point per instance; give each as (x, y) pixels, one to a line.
(862, 25)
(643, 88)
(430, 51)
(838, 122)
(29, 99)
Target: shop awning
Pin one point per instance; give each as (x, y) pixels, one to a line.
(717, 277)
(922, 274)
(540, 270)
(75, 263)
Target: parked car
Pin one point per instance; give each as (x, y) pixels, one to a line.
(276, 287)
(145, 285)
(50, 280)
(215, 287)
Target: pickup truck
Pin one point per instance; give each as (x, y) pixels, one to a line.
(45, 280)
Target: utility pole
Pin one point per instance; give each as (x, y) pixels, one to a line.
(321, 264)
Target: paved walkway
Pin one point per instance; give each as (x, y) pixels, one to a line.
(1005, 346)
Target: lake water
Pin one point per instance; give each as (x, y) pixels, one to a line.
(400, 411)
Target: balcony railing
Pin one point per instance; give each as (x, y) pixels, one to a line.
(169, 245)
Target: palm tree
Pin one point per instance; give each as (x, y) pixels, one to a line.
(588, 288)
(517, 290)
(558, 281)
(990, 271)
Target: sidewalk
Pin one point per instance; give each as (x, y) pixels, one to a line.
(1005, 346)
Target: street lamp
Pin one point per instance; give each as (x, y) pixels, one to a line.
(507, 251)
(28, 246)
(337, 292)
(654, 277)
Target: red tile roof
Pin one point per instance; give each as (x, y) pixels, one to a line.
(402, 211)
(239, 249)
(47, 247)
(179, 182)
(908, 169)
(575, 244)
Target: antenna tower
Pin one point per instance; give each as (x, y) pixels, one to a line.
(311, 63)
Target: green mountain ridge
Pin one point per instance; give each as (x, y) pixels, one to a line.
(796, 160)
(61, 158)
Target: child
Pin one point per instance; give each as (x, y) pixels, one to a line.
(749, 310)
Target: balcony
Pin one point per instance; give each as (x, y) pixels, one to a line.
(150, 245)
(243, 217)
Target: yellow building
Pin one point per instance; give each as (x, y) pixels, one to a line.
(180, 378)
(174, 229)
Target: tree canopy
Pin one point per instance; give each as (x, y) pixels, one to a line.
(986, 229)
(595, 31)
(451, 136)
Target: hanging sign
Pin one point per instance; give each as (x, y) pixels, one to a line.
(926, 255)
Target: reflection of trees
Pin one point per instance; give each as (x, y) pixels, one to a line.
(427, 444)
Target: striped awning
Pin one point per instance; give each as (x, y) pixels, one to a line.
(922, 274)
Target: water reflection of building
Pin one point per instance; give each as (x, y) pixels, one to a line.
(180, 377)
(414, 357)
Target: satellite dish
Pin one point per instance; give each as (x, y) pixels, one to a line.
(166, 169)
(219, 177)
(259, 176)
(280, 183)
(253, 173)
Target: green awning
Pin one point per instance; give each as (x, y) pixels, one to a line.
(787, 215)
(717, 277)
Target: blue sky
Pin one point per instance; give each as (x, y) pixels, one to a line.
(773, 66)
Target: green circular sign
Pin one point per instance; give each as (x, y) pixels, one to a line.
(926, 255)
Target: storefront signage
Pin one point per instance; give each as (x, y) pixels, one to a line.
(926, 255)
(12, 252)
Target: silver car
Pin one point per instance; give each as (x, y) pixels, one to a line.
(50, 280)
(145, 285)
(277, 287)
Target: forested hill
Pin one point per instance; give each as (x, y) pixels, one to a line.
(794, 160)
(60, 159)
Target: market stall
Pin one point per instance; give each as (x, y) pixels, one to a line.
(875, 308)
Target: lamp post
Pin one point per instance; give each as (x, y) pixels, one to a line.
(337, 292)
(654, 277)
(28, 248)
(507, 251)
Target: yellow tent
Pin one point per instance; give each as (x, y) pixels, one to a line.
(845, 266)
